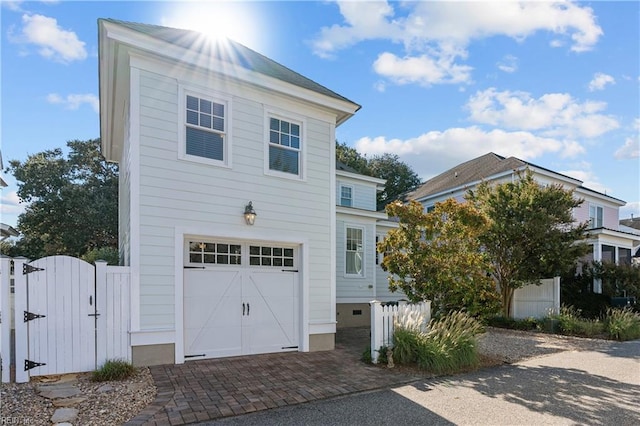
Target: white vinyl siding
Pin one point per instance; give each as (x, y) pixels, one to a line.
(191, 194)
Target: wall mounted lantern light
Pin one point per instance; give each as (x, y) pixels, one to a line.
(249, 214)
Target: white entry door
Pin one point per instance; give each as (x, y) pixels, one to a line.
(249, 307)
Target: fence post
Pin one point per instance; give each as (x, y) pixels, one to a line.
(20, 306)
(101, 304)
(5, 317)
(376, 329)
(556, 295)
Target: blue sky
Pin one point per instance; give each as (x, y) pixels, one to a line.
(555, 84)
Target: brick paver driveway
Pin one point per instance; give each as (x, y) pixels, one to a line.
(210, 389)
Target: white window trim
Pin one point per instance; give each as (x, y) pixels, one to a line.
(364, 251)
(343, 185)
(185, 90)
(292, 118)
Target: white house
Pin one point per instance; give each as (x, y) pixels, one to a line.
(608, 242)
(200, 129)
(359, 276)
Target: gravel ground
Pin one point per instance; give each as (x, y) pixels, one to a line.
(22, 405)
(121, 401)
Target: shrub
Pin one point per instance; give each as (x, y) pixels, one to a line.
(366, 356)
(447, 346)
(570, 321)
(622, 324)
(115, 369)
(514, 324)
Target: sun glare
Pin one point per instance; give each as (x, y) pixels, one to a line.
(238, 21)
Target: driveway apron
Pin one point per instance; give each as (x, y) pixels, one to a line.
(211, 389)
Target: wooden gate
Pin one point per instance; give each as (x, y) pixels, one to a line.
(70, 315)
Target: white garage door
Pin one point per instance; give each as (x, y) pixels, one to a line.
(240, 298)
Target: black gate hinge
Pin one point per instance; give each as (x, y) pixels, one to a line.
(28, 364)
(27, 269)
(28, 316)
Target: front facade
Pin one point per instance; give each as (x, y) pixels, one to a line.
(199, 129)
(608, 242)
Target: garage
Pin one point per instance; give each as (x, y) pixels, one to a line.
(240, 298)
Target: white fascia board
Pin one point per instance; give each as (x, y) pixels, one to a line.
(609, 235)
(387, 224)
(360, 177)
(351, 211)
(590, 193)
(161, 48)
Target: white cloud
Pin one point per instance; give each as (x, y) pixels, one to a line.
(599, 81)
(10, 204)
(508, 64)
(52, 41)
(553, 114)
(14, 6)
(422, 70)
(436, 151)
(630, 149)
(589, 179)
(75, 101)
(435, 35)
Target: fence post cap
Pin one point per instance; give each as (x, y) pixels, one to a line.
(99, 261)
(373, 302)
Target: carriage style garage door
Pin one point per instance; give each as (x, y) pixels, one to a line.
(239, 299)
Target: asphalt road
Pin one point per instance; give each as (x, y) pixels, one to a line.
(591, 387)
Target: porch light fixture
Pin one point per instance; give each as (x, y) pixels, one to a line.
(249, 214)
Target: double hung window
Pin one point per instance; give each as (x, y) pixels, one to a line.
(346, 196)
(354, 256)
(595, 217)
(206, 122)
(285, 146)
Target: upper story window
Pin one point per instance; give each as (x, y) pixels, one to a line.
(595, 216)
(285, 147)
(354, 253)
(205, 134)
(346, 196)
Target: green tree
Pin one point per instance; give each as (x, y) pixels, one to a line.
(531, 234)
(72, 202)
(352, 158)
(400, 178)
(436, 256)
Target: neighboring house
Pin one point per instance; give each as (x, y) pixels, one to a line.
(607, 241)
(200, 128)
(359, 276)
(632, 226)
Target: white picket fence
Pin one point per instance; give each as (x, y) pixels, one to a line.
(383, 322)
(68, 316)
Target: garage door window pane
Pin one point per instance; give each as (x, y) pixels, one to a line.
(271, 256)
(214, 253)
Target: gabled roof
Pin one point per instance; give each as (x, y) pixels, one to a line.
(485, 167)
(120, 41)
(472, 171)
(229, 51)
